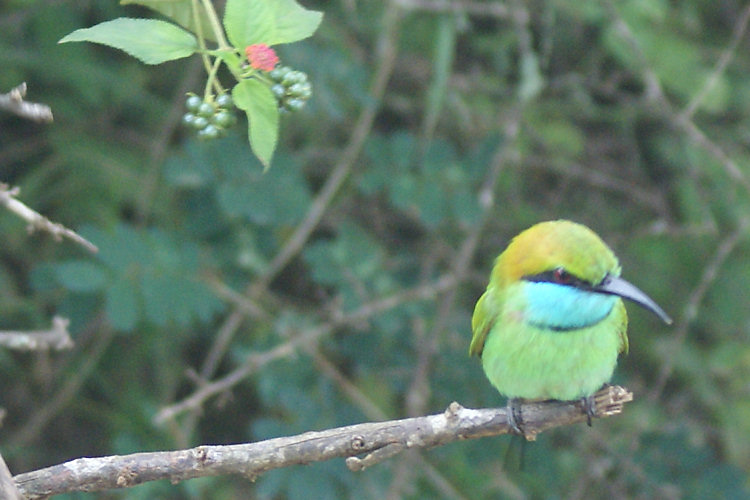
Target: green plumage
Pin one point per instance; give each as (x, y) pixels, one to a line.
(551, 323)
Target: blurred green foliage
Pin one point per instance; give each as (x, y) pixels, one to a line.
(612, 114)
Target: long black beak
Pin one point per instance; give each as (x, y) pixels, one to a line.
(618, 286)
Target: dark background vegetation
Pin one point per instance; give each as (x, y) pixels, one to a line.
(437, 131)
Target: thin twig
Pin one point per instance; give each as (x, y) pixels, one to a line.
(13, 102)
(56, 338)
(377, 441)
(38, 222)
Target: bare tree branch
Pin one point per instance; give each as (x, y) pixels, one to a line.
(56, 338)
(377, 441)
(13, 102)
(39, 222)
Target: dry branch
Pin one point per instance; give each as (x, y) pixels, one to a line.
(13, 102)
(56, 338)
(39, 222)
(374, 442)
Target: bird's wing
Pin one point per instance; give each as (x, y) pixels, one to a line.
(481, 323)
(623, 330)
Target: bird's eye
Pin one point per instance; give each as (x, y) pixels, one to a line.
(560, 275)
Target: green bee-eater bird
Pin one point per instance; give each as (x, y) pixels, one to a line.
(552, 322)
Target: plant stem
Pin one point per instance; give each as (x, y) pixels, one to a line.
(201, 38)
(215, 25)
(207, 94)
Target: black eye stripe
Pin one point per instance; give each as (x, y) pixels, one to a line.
(558, 276)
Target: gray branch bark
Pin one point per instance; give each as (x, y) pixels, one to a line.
(37, 221)
(56, 338)
(364, 444)
(13, 102)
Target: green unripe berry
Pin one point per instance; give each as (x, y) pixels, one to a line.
(300, 90)
(278, 90)
(294, 104)
(208, 133)
(205, 110)
(224, 119)
(278, 73)
(225, 101)
(211, 130)
(200, 122)
(193, 102)
(188, 119)
(293, 77)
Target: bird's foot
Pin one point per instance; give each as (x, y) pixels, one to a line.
(589, 405)
(513, 410)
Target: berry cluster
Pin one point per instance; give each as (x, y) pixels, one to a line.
(291, 88)
(210, 118)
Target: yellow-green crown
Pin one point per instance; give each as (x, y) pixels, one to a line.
(556, 244)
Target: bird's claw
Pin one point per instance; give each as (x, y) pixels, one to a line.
(514, 419)
(589, 406)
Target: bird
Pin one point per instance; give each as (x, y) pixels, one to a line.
(552, 323)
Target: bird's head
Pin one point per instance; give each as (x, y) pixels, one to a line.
(559, 245)
(570, 277)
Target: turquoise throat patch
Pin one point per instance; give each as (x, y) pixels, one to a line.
(562, 307)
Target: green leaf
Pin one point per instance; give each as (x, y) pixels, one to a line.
(121, 249)
(256, 99)
(80, 276)
(270, 22)
(158, 294)
(274, 198)
(181, 12)
(170, 297)
(149, 40)
(248, 22)
(293, 22)
(122, 306)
